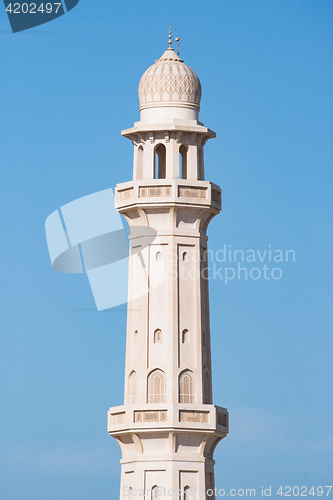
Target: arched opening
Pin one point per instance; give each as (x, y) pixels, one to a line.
(157, 335)
(207, 391)
(185, 337)
(183, 160)
(139, 163)
(133, 387)
(186, 387)
(160, 162)
(156, 387)
(158, 256)
(184, 256)
(186, 493)
(155, 492)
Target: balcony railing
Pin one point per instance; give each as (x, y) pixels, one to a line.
(174, 191)
(207, 417)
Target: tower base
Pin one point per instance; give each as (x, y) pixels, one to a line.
(173, 459)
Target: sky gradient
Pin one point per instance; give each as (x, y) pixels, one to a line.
(67, 90)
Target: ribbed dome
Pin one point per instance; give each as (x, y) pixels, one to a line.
(169, 82)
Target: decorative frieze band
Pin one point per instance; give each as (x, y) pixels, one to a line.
(125, 194)
(164, 191)
(118, 418)
(192, 192)
(222, 419)
(216, 196)
(154, 191)
(193, 416)
(150, 416)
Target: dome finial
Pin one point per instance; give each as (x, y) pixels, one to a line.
(170, 37)
(177, 40)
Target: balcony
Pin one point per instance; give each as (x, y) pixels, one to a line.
(168, 192)
(177, 416)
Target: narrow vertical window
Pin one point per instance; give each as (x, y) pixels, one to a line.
(185, 337)
(157, 336)
(139, 163)
(184, 256)
(207, 391)
(160, 162)
(158, 256)
(183, 160)
(155, 492)
(186, 493)
(186, 387)
(156, 387)
(133, 387)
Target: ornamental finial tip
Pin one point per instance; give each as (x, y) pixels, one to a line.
(177, 40)
(170, 38)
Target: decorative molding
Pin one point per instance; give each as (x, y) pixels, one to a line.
(125, 194)
(154, 191)
(192, 192)
(193, 416)
(118, 418)
(216, 196)
(222, 419)
(150, 416)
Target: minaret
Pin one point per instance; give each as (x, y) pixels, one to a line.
(168, 426)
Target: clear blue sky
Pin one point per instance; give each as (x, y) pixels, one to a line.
(67, 90)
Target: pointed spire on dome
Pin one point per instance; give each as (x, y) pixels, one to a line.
(170, 54)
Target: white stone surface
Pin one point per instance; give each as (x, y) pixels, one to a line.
(168, 426)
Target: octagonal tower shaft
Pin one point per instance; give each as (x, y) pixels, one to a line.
(168, 426)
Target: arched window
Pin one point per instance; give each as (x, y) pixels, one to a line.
(184, 255)
(158, 256)
(207, 391)
(133, 387)
(160, 162)
(155, 492)
(186, 387)
(156, 387)
(185, 337)
(139, 163)
(183, 160)
(186, 493)
(157, 335)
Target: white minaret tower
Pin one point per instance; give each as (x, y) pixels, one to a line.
(168, 427)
